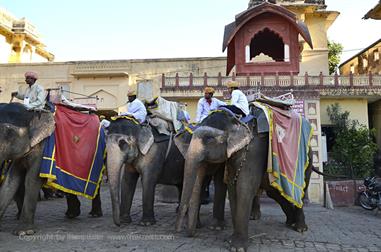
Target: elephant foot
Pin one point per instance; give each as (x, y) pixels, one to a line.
(238, 244)
(255, 215)
(24, 230)
(72, 214)
(217, 225)
(147, 221)
(191, 232)
(290, 222)
(198, 224)
(300, 227)
(125, 219)
(95, 213)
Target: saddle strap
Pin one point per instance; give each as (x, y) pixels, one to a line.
(169, 146)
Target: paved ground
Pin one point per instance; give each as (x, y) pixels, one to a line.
(342, 229)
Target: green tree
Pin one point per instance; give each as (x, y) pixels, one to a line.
(353, 151)
(334, 52)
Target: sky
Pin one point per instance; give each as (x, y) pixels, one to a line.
(126, 29)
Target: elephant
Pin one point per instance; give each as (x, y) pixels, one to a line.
(222, 138)
(23, 134)
(131, 150)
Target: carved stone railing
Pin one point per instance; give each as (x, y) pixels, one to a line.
(23, 26)
(6, 20)
(320, 84)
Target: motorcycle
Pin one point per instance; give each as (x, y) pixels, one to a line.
(370, 198)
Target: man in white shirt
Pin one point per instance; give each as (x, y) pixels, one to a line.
(207, 103)
(34, 96)
(239, 104)
(136, 108)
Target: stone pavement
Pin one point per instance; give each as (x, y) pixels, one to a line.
(342, 229)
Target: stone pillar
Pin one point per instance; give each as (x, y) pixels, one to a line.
(286, 53)
(247, 54)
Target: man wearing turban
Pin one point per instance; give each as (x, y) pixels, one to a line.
(34, 96)
(136, 108)
(239, 104)
(206, 104)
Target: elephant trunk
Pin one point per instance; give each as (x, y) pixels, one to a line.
(114, 167)
(190, 176)
(194, 203)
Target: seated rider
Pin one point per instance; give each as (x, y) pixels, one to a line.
(238, 103)
(206, 104)
(136, 108)
(34, 96)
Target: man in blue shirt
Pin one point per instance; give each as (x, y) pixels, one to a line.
(206, 104)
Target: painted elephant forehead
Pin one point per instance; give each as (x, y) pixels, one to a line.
(219, 120)
(207, 131)
(15, 114)
(124, 127)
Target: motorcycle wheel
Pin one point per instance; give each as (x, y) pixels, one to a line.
(364, 202)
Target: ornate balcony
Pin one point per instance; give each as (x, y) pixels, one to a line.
(302, 85)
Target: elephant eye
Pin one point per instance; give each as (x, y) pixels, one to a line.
(208, 139)
(122, 144)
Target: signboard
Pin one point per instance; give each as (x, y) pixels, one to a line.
(298, 107)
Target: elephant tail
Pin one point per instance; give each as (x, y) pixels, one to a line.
(328, 175)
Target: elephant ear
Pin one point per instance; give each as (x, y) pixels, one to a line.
(145, 139)
(182, 141)
(239, 136)
(41, 127)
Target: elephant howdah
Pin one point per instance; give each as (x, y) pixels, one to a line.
(222, 138)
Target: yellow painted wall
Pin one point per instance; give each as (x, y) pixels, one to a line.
(314, 60)
(374, 66)
(375, 114)
(5, 49)
(52, 75)
(358, 109)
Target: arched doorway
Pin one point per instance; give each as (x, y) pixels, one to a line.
(268, 43)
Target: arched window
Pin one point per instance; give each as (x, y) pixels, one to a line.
(267, 46)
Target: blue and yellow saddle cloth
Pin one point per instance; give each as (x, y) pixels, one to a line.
(289, 141)
(73, 157)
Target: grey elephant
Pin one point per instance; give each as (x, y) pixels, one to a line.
(216, 171)
(131, 146)
(222, 138)
(23, 133)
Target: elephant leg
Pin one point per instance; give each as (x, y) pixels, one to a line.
(33, 184)
(205, 191)
(300, 223)
(232, 193)
(218, 222)
(10, 186)
(73, 206)
(128, 188)
(256, 208)
(251, 167)
(19, 198)
(149, 184)
(96, 205)
(194, 203)
(286, 206)
(179, 190)
(244, 193)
